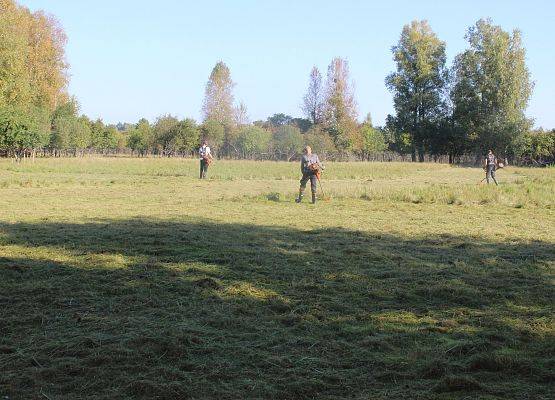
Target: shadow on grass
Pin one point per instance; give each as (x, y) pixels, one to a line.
(197, 309)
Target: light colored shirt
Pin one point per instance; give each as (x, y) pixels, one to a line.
(307, 160)
(204, 151)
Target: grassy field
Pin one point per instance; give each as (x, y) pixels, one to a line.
(130, 278)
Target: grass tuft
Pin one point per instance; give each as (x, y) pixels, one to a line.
(458, 383)
(273, 196)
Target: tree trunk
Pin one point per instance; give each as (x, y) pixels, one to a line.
(420, 153)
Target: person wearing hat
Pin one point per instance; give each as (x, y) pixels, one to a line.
(490, 165)
(205, 159)
(310, 168)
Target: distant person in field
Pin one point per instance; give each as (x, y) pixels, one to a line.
(490, 165)
(205, 159)
(310, 168)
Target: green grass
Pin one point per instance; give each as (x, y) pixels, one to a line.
(130, 278)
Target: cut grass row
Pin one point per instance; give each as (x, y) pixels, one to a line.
(393, 182)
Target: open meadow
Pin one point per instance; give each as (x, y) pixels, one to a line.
(130, 278)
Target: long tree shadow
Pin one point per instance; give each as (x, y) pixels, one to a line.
(174, 309)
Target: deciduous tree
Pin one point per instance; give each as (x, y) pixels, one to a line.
(491, 89)
(373, 138)
(419, 84)
(185, 136)
(253, 141)
(218, 97)
(320, 142)
(340, 107)
(64, 125)
(22, 131)
(139, 138)
(163, 133)
(287, 141)
(214, 133)
(313, 101)
(33, 71)
(241, 115)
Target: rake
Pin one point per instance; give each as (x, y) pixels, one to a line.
(501, 166)
(324, 197)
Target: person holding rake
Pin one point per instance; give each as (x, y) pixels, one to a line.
(490, 165)
(311, 167)
(205, 159)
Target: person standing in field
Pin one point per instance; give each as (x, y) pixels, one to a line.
(490, 165)
(205, 159)
(310, 168)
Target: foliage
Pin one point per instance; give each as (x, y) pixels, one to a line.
(214, 133)
(280, 119)
(302, 123)
(253, 141)
(81, 137)
(33, 75)
(69, 131)
(34, 71)
(241, 115)
(398, 141)
(22, 130)
(163, 133)
(287, 142)
(536, 147)
(313, 101)
(140, 137)
(320, 142)
(218, 98)
(97, 129)
(340, 107)
(185, 136)
(374, 141)
(109, 139)
(122, 138)
(419, 84)
(491, 89)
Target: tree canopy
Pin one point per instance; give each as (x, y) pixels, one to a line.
(419, 84)
(492, 88)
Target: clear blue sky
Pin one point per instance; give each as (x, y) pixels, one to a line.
(133, 58)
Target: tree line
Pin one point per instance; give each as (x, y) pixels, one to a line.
(441, 111)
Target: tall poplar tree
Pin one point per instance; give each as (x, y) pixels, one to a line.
(218, 96)
(340, 106)
(219, 107)
(313, 101)
(419, 84)
(33, 75)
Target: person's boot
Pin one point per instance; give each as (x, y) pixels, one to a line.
(300, 198)
(313, 198)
